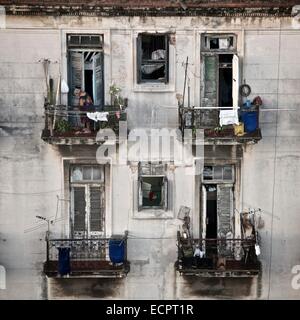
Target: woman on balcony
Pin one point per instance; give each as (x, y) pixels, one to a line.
(85, 101)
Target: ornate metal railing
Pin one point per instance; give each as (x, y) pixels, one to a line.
(88, 256)
(208, 120)
(63, 121)
(228, 255)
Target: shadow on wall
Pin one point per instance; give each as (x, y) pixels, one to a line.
(67, 288)
(216, 288)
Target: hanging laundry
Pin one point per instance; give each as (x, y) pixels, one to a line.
(98, 116)
(150, 68)
(228, 117)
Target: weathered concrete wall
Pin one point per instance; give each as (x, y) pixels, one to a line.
(32, 171)
(271, 169)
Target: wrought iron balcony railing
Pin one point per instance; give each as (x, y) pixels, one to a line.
(222, 258)
(96, 257)
(71, 125)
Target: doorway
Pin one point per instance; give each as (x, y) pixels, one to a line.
(211, 211)
(225, 80)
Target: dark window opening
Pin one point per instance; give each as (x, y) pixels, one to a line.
(211, 212)
(214, 42)
(152, 55)
(225, 80)
(88, 81)
(152, 190)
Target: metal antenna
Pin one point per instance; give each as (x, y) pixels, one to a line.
(185, 75)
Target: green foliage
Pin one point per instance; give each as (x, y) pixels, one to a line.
(62, 125)
(117, 100)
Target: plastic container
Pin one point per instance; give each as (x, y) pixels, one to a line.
(117, 250)
(250, 120)
(239, 129)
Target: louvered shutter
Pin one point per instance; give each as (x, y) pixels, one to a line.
(224, 209)
(140, 193)
(165, 193)
(79, 214)
(203, 209)
(98, 78)
(139, 58)
(76, 63)
(225, 212)
(167, 40)
(96, 210)
(209, 117)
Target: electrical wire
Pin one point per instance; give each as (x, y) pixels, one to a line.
(29, 193)
(274, 165)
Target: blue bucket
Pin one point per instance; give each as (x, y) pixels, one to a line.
(64, 265)
(250, 121)
(117, 250)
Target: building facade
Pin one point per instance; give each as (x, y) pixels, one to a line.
(86, 212)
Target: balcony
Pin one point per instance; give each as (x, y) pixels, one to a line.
(219, 259)
(214, 134)
(87, 258)
(70, 125)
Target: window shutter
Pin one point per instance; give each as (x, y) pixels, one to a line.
(98, 78)
(139, 58)
(96, 210)
(140, 193)
(224, 209)
(167, 38)
(209, 118)
(165, 193)
(203, 208)
(79, 214)
(235, 81)
(76, 63)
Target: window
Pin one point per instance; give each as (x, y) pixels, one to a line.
(218, 173)
(85, 67)
(217, 198)
(218, 42)
(153, 187)
(220, 76)
(152, 58)
(87, 201)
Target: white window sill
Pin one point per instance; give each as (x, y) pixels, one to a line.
(153, 214)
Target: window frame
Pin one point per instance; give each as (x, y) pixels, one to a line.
(82, 48)
(87, 185)
(210, 117)
(205, 48)
(219, 181)
(139, 60)
(164, 193)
